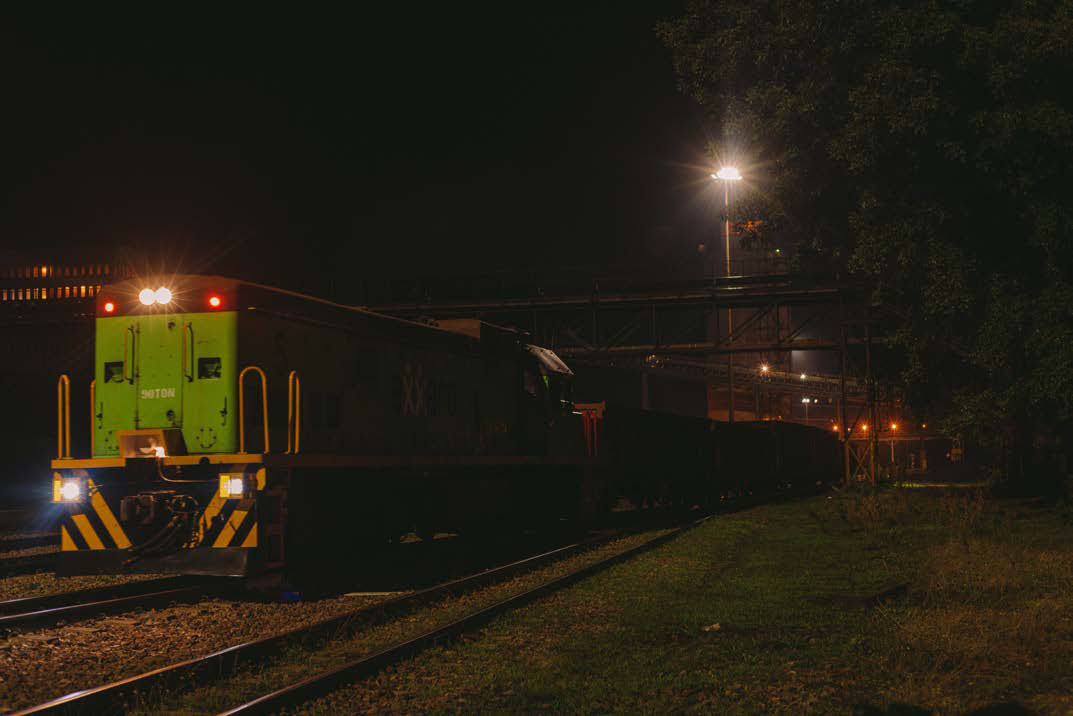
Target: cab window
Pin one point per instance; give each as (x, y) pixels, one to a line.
(113, 372)
(208, 367)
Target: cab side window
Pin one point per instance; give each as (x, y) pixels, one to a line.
(113, 372)
(208, 367)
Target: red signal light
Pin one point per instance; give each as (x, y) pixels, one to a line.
(109, 307)
(215, 301)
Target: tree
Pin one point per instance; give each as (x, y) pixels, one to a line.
(924, 146)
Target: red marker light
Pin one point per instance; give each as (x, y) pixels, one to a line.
(109, 307)
(215, 301)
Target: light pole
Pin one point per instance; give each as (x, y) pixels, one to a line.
(727, 175)
(806, 401)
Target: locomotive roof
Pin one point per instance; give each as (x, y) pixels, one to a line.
(246, 295)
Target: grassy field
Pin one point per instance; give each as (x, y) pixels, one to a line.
(768, 611)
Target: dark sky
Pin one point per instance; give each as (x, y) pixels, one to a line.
(535, 137)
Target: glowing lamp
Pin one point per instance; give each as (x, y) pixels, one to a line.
(147, 296)
(764, 368)
(66, 489)
(894, 426)
(232, 485)
(727, 174)
(215, 301)
(109, 307)
(162, 295)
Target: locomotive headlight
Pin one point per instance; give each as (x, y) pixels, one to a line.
(232, 485)
(147, 296)
(162, 295)
(66, 489)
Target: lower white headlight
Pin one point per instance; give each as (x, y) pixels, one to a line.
(67, 489)
(71, 490)
(232, 486)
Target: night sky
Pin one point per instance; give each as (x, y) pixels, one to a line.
(315, 148)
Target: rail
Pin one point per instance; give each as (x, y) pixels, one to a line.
(242, 406)
(63, 417)
(294, 412)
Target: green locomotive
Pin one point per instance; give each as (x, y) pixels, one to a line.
(240, 429)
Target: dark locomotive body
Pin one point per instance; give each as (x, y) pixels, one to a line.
(241, 430)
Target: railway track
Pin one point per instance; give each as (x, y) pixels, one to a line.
(44, 540)
(84, 603)
(221, 663)
(30, 563)
(331, 679)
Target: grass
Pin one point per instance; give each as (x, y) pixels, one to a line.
(745, 616)
(749, 614)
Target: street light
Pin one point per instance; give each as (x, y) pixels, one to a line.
(764, 368)
(727, 175)
(806, 401)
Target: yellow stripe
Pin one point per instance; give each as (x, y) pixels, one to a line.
(233, 523)
(66, 543)
(260, 478)
(88, 533)
(215, 504)
(251, 538)
(107, 517)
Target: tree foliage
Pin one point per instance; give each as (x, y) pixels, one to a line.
(925, 145)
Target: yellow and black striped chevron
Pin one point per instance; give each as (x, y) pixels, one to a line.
(92, 525)
(228, 523)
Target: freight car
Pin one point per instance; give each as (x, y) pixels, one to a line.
(652, 458)
(239, 428)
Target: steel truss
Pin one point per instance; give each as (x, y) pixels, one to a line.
(679, 329)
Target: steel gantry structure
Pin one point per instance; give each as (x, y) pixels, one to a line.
(678, 328)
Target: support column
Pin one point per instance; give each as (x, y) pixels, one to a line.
(843, 414)
(873, 429)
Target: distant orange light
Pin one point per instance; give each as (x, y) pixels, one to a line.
(109, 307)
(215, 301)
(864, 426)
(894, 426)
(923, 425)
(834, 427)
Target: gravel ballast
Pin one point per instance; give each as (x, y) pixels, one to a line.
(47, 663)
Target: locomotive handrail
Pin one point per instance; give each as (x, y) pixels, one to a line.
(92, 417)
(63, 417)
(242, 406)
(130, 330)
(187, 326)
(294, 412)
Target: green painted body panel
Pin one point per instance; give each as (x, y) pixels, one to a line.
(143, 380)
